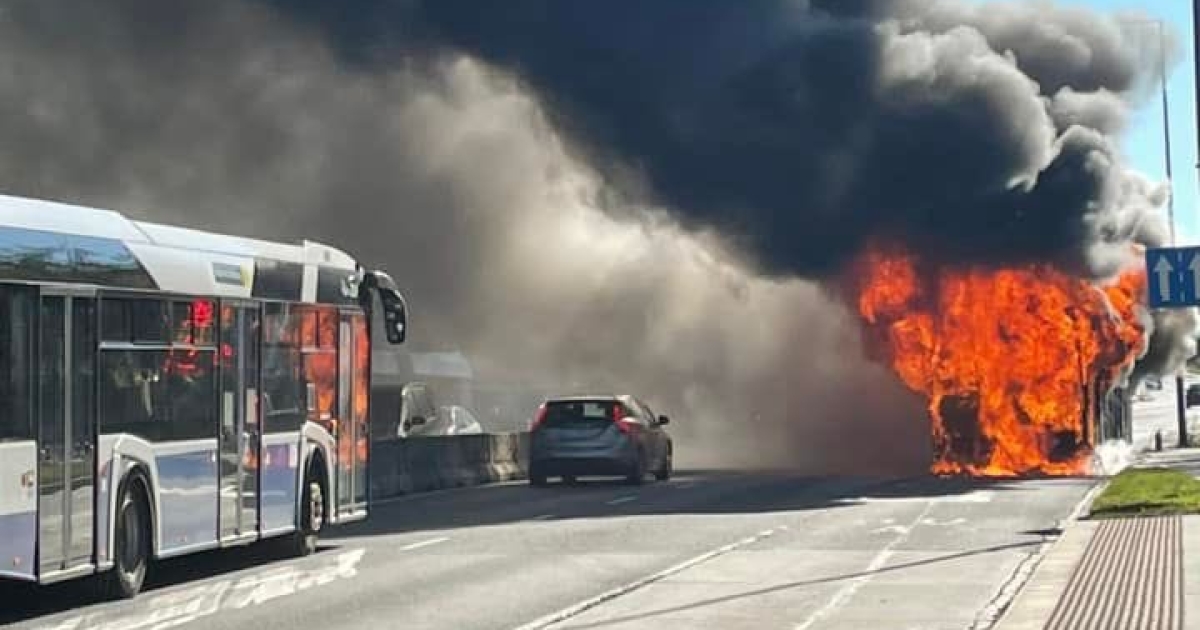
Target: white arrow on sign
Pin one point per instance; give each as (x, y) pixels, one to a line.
(1163, 268)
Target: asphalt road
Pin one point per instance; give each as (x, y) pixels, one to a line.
(708, 549)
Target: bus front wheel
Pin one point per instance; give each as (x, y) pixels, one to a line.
(312, 514)
(131, 553)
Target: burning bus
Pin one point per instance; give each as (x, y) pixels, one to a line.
(1021, 367)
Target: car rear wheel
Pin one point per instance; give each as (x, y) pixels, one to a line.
(537, 478)
(638, 474)
(668, 466)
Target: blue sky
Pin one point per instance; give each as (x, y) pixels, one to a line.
(1144, 142)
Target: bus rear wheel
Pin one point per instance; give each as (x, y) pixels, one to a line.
(131, 553)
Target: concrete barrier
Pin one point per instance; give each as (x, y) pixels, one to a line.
(405, 466)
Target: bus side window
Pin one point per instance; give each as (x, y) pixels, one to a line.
(151, 321)
(17, 375)
(116, 321)
(282, 378)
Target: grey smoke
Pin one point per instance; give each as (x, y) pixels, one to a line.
(446, 172)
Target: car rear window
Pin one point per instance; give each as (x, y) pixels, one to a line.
(574, 413)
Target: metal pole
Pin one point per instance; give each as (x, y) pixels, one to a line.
(1166, 116)
(1196, 67)
(1180, 384)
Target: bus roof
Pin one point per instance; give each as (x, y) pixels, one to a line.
(180, 259)
(52, 216)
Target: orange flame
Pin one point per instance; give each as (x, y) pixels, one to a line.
(362, 387)
(1010, 361)
(318, 337)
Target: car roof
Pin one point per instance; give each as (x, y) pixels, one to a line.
(586, 397)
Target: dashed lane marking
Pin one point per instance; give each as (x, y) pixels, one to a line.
(847, 592)
(425, 543)
(577, 609)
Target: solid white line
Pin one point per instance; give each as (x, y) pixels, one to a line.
(844, 594)
(620, 500)
(575, 610)
(425, 543)
(975, 496)
(543, 517)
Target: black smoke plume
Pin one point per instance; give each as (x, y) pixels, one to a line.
(797, 130)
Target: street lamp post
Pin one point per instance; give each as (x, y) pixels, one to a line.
(1180, 398)
(1180, 384)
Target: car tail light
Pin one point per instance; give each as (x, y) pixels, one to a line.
(619, 415)
(538, 418)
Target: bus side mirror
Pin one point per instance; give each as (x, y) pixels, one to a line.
(395, 315)
(395, 310)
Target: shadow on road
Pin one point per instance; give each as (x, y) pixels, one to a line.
(696, 492)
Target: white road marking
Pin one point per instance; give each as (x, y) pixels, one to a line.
(425, 543)
(177, 608)
(954, 521)
(543, 517)
(572, 611)
(625, 499)
(844, 594)
(975, 496)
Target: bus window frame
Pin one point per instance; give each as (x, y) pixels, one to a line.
(172, 430)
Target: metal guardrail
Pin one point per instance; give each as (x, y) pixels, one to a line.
(403, 466)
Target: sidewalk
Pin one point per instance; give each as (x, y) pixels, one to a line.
(1123, 574)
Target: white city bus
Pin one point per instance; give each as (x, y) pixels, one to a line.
(165, 391)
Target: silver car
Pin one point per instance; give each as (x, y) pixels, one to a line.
(598, 435)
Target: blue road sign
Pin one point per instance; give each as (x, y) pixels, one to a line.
(1173, 275)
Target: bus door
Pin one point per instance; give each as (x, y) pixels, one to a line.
(66, 430)
(353, 435)
(240, 430)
